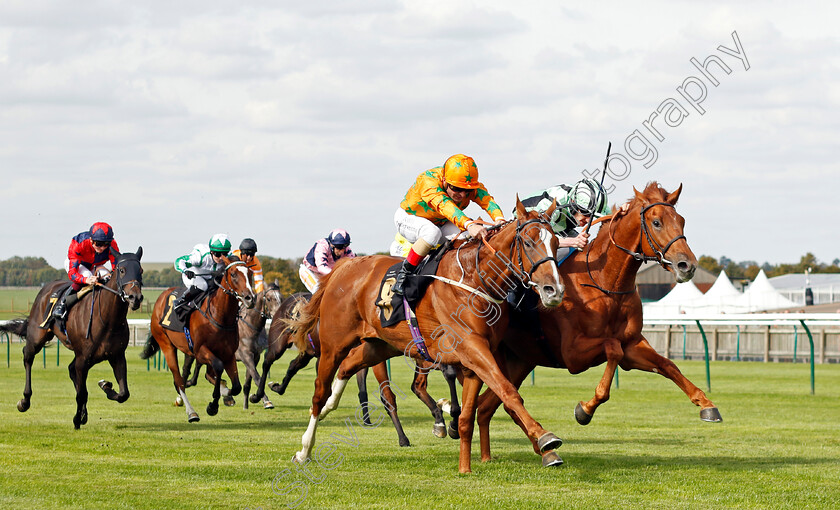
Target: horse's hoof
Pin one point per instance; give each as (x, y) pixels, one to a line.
(549, 441)
(189, 384)
(179, 402)
(229, 401)
(276, 388)
(193, 417)
(212, 408)
(268, 405)
(84, 417)
(453, 431)
(23, 405)
(254, 398)
(297, 458)
(106, 385)
(551, 459)
(439, 430)
(582, 416)
(404, 442)
(710, 414)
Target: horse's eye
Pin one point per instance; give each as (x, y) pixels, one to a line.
(657, 223)
(122, 270)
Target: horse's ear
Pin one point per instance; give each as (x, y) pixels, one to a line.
(520, 209)
(139, 252)
(551, 209)
(674, 196)
(115, 253)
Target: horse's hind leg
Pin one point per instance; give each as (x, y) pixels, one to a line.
(30, 349)
(419, 387)
(389, 400)
(361, 381)
(81, 366)
(118, 365)
(642, 356)
(295, 366)
(585, 410)
(185, 371)
(172, 362)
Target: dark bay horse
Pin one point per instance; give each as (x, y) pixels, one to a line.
(96, 330)
(252, 340)
(600, 319)
(213, 329)
(351, 336)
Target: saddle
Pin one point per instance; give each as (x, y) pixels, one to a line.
(177, 320)
(55, 297)
(391, 309)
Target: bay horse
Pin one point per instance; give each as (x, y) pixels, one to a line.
(600, 319)
(345, 314)
(252, 340)
(213, 329)
(95, 330)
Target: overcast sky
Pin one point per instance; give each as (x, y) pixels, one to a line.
(281, 120)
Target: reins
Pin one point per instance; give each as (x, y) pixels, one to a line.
(227, 290)
(644, 234)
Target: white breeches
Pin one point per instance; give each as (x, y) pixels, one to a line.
(414, 227)
(101, 270)
(199, 281)
(309, 279)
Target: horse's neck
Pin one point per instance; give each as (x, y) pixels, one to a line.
(224, 303)
(493, 274)
(611, 267)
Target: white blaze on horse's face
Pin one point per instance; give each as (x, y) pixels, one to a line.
(548, 285)
(249, 299)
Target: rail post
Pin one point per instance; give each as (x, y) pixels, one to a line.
(811, 340)
(706, 349)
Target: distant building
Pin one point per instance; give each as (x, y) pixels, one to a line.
(824, 286)
(654, 282)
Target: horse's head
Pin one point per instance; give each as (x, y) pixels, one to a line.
(127, 277)
(661, 238)
(272, 299)
(235, 279)
(537, 245)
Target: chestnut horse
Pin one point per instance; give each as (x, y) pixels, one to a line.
(600, 319)
(251, 330)
(213, 329)
(96, 330)
(345, 313)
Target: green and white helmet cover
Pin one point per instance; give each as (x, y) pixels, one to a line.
(589, 197)
(220, 243)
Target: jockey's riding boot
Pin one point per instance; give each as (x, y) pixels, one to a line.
(405, 270)
(63, 306)
(188, 296)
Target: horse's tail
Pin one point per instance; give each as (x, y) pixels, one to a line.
(16, 326)
(151, 348)
(308, 319)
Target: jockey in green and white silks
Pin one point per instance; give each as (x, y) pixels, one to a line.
(198, 266)
(576, 206)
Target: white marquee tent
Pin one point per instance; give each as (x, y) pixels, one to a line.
(761, 295)
(679, 300)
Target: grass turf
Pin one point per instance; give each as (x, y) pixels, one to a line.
(778, 447)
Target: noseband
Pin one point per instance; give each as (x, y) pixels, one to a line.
(644, 234)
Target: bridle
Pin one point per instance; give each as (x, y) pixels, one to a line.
(644, 235)
(517, 245)
(264, 312)
(226, 286)
(120, 290)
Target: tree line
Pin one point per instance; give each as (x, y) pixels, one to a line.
(34, 271)
(749, 269)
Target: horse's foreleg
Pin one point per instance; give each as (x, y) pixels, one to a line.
(642, 356)
(118, 365)
(614, 353)
(320, 403)
(82, 368)
(450, 373)
(185, 374)
(419, 386)
(485, 367)
(217, 367)
(488, 402)
(389, 400)
(466, 423)
(270, 358)
(233, 372)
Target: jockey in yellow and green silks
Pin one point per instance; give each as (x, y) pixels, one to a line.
(433, 208)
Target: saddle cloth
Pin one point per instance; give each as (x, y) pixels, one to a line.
(391, 309)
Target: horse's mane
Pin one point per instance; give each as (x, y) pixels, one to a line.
(653, 192)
